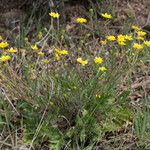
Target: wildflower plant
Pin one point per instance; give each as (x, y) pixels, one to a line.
(69, 97)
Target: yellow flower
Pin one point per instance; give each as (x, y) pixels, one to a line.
(11, 50)
(106, 15)
(61, 52)
(54, 15)
(82, 62)
(111, 38)
(102, 68)
(147, 43)
(103, 42)
(98, 60)
(3, 44)
(137, 46)
(40, 53)
(46, 61)
(5, 58)
(121, 43)
(136, 28)
(121, 39)
(57, 56)
(34, 47)
(141, 33)
(140, 38)
(81, 20)
(128, 37)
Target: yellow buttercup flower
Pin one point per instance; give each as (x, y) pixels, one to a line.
(121, 43)
(106, 15)
(137, 46)
(34, 47)
(5, 58)
(136, 28)
(3, 44)
(98, 60)
(40, 53)
(102, 68)
(103, 42)
(54, 15)
(140, 38)
(141, 33)
(11, 50)
(147, 43)
(121, 39)
(128, 37)
(61, 52)
(57, 56)
(82, 62)
(111, 38)
(81, 20)
(46, 61)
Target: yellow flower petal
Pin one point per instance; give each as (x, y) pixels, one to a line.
(103, 42)
(81, 20)
(147, 43)
(137, 46)
(98, 60)
(11, 50)
(40, 53)
(34, 47)
(141, 33)
(106, 15)
(3, 44)
(102, 68)
(5, 58)
(54, 15)
(82, 62)
(136, 28)
(111, 38)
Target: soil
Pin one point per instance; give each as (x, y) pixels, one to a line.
(139, 10)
